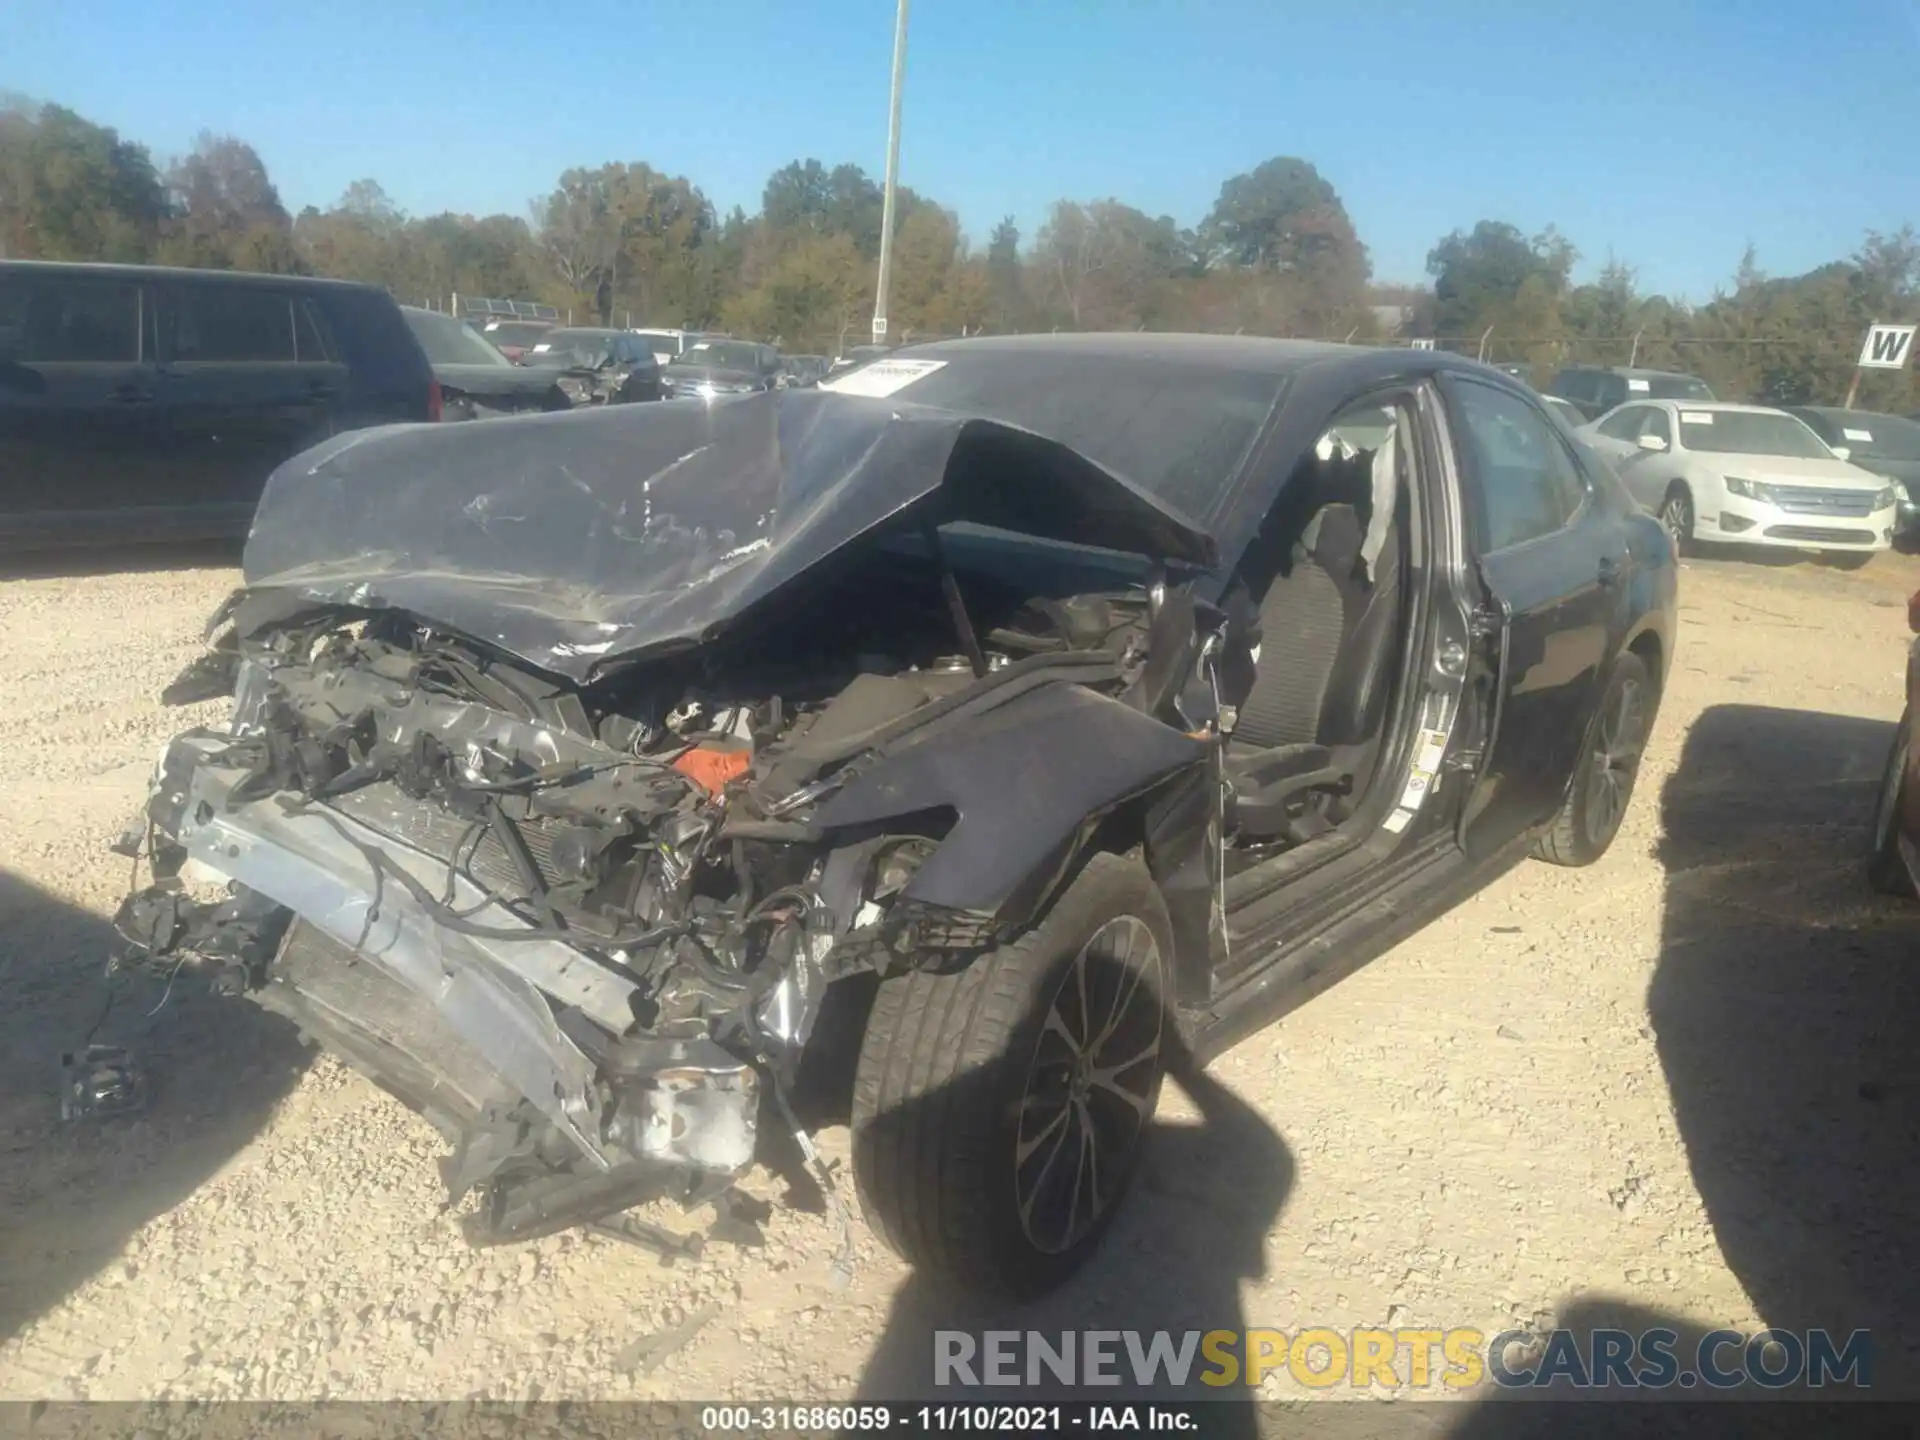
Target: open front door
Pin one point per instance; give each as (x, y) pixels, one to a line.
(1542, 550)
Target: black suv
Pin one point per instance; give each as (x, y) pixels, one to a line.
(143, 403)
(1595, 390)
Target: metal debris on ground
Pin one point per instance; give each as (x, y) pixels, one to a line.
(643, 1356)
(100, 1081)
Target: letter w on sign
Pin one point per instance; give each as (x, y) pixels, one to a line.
(1888, 347)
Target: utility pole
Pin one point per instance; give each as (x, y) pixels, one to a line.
(893, 176)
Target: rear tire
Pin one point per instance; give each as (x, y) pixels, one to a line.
(1602, 787)
(976, 1091)
(1886, 870)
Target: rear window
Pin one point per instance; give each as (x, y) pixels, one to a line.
(1671, 387)
(58, 319)
(232, 324)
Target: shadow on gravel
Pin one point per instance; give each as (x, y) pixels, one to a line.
(1194, 1226)
(72, 1194)
(1786, 1011)
(92, 560)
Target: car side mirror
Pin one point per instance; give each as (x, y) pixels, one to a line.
(1651, 442)
(1841, 452)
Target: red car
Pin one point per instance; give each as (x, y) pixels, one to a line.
(1894, 867)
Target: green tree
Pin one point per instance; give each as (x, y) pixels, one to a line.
(73, 190)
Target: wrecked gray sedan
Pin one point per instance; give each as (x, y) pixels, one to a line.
(994, 728)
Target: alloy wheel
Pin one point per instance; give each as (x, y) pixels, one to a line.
(1616, 760)
(1677, 516)
(1091, 1085)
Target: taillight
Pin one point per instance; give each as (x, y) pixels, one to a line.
(1913, 612)
(433, 400)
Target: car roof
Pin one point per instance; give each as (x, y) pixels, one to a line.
(179, 272)
(1715, 406)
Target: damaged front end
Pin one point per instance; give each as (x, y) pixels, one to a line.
(586, 931)
(583, 910)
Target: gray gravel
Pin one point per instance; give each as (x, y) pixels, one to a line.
(1534, 1110)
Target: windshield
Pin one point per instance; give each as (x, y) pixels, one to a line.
(518, 333)
(1874, 437)
(1669, 387)
(1750, 432)
(722, 355)
(448, 341)
(570, 347)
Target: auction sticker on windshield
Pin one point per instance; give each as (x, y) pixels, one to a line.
(1865, 437)
(881, 378)
(1695, 417)
(1639, 387)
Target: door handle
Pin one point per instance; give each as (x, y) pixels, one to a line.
(1610, 569)
(321, 391)
(129, 395)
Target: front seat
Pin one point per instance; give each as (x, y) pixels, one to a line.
(1328, 633)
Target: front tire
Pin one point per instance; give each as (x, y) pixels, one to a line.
(999, 1112)
(1602, 787)
(1886, 869)
(1676, 513)
(1848, 559)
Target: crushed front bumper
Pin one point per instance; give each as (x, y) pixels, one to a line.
(502, 1026)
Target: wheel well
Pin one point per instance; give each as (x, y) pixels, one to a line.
(1681, 487)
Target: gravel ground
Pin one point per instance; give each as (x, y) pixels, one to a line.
(1677, 1084)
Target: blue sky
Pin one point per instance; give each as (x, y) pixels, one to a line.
(1670, 134)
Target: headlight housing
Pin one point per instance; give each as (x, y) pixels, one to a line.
(1888, 495)
(1748, 489)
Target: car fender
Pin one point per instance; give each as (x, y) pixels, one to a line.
(1027, 784)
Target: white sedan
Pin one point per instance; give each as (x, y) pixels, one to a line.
(1745, 474)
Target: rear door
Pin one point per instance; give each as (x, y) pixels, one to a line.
(81, 441)
(1550, 557)
(246, 382)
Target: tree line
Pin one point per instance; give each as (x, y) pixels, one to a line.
(1277, 254)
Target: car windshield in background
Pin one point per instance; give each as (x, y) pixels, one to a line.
(662, 343)
(1876, 437)
(721, 355)
(1750, 432)
(449, 342)
(570, 347)
(510, 333)
(1671, 387)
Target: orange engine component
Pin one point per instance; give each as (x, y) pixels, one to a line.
(712, 766)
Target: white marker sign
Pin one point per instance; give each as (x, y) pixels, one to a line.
(1421, 344)
(1888, 347)
(881, 378)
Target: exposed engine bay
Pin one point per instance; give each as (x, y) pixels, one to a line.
(586, 929)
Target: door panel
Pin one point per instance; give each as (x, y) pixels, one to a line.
(1550, 556)
(78, 423)
(239, 391)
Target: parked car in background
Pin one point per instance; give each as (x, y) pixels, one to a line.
(513, 338)
(1565, 410)
(1745, 474)
(598, 366)
(477, 382)
(1884, 445)
(859, 355)
(139, 403)
(1893, 864)
(804, 370)
(668, 345)
(958, 726)
(1594, 390)
(710, 368)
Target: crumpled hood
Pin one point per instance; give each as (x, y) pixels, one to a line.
(576, 539)
(493, 380)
